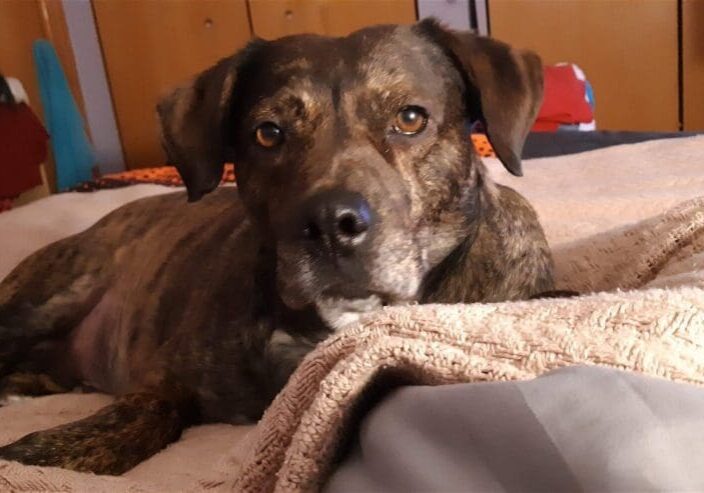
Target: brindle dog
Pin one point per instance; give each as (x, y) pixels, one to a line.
(357, 188)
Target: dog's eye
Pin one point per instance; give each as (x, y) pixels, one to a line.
(268, 135)
(411, 120)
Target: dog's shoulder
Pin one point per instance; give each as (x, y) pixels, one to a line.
(508, 209)
(512, 244)
(507, 258)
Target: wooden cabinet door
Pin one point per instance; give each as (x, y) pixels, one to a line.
(275, 18)
(152, 46)
(693, 64)
(627, 48)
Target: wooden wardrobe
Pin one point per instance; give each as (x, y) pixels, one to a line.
(151, 46)
(645, 58)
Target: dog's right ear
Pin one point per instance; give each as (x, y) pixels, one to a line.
(194, 121)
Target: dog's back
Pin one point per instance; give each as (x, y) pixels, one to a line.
(132, 281)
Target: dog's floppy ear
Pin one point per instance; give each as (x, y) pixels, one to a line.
(504, 87)
(194, 124)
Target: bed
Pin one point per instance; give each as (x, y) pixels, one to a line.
(595, 207)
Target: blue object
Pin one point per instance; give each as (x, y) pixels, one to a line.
(590, 94)
(73, 153)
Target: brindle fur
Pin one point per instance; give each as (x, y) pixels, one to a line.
(195, 313)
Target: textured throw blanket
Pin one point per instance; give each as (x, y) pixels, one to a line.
(628, 220)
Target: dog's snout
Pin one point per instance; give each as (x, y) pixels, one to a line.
(337, 219)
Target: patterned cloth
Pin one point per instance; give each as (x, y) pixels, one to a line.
(482, 145)
(160, 175)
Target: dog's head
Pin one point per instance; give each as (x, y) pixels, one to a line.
(352, 154)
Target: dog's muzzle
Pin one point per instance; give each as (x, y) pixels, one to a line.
(332, 259)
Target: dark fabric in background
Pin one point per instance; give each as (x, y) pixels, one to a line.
(547, 144)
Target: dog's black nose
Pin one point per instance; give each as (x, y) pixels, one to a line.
(338, 219)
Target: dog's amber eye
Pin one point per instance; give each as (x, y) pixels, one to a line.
(411, 120)
(268, 135)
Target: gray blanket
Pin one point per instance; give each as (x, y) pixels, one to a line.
(574, 429)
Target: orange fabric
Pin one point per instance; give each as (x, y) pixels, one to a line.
(482, 145)
(163, 174)
(159, 175)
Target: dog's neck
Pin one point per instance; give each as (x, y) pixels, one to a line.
(454, 279)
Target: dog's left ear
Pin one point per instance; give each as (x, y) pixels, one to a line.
(194, 123)
(504, 87)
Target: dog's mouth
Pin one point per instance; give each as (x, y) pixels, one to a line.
(341, 296)
(342, 305)
(339, 311)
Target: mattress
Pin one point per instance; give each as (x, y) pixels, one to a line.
(623, 178)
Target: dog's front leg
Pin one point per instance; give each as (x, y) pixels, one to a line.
(112, 441)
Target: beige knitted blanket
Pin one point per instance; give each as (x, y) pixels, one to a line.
(659, 332)
(627, 220)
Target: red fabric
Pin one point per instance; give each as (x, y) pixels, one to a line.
(545, 126)
(563, 101)
(5, 204)
(23, 147)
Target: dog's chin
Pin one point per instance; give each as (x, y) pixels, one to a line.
(340, 309)
(339, 312)
(340, 302)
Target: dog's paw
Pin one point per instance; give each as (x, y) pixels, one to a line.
(49, 448)
(111, 441)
